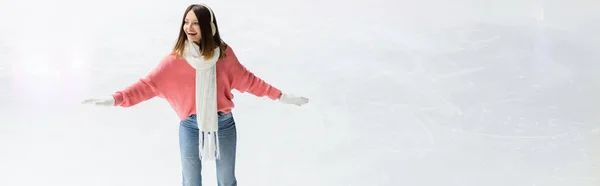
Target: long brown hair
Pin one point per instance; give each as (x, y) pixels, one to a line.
(203, 14)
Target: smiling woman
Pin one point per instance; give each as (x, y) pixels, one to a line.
(196, 78)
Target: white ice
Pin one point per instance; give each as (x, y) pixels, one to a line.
(404, 92)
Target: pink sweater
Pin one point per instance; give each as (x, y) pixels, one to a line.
(174, 80)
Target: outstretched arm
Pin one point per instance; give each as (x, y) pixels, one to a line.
(245, 81)
(138, 92)
(142, 90)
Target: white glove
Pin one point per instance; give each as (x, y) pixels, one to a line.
(291, 99)
(102, 101)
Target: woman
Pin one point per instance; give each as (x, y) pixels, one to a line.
(196, 78)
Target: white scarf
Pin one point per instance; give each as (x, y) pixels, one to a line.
(206, 99)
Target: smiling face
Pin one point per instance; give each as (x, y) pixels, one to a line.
(196, 19)
(191, 27)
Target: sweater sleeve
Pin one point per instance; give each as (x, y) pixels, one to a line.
(143, 89)
(246, 81)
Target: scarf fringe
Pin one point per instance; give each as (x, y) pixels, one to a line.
(209, 146)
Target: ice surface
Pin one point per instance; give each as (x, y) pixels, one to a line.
(422, 93)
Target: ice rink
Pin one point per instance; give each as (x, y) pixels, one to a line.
(419, 93)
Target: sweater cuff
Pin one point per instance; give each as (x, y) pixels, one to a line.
(274, 94)
(118, 98)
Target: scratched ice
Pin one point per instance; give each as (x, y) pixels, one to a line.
(424, 93)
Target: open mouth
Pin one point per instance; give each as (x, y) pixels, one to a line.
(192, 34)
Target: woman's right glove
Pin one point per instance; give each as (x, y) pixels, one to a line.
(102, 101)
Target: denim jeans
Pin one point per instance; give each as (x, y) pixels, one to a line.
(190, 160)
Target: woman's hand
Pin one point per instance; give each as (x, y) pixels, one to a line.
(102, 101)
(292, 99)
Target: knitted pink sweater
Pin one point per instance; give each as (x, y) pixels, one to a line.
(174, 80)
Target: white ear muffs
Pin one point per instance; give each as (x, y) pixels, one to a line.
(212, 21)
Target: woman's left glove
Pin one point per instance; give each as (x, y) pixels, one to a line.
(292, 99)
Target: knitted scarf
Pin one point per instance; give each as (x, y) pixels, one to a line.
(206, 99)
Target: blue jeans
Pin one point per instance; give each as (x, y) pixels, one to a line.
(190, 160)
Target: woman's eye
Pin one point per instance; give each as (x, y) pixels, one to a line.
(187, 23)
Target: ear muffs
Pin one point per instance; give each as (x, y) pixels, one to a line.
(212, 21)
